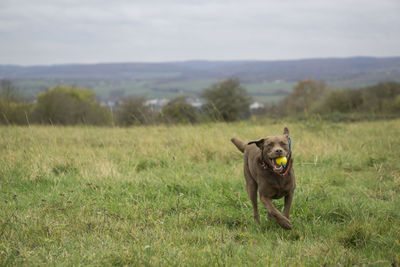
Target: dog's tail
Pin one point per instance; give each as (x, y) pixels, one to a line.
(238, 143)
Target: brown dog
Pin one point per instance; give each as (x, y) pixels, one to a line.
(271, 180)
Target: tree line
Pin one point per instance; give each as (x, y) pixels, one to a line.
(69, 105)
(226, 101)
(312, 98)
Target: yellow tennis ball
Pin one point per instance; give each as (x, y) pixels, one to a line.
(281, 160)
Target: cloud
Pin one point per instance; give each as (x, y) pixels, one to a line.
(65, 31)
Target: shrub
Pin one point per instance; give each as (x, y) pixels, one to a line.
(338, 101)
(68, 105)
(133, 111)
(304, 96)
(383, 99)
(178, 110)
(227, 101)
(13, 108)
(15, 112)
(380, 97)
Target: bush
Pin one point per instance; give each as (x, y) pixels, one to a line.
(66, 105)
(13, 108)
(304, 96)
(338, 101)
(380, 97)
(133, 111)
(227, 101)
(383, 99)
(15, 112)
(178, 110)
(394, 106)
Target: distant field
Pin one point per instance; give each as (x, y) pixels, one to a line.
(267, 81)
(264, 92)
(161, 195)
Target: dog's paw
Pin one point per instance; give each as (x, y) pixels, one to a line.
(285, 223)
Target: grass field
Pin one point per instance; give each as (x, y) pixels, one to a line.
(161, 195)
(264, 92)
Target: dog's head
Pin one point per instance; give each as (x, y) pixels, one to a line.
(274, 147)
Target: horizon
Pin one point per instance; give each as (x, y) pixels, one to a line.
(202, 60)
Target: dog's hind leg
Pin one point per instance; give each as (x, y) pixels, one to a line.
(252, 192)
(251, 188)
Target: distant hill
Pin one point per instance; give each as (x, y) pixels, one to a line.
(266, 80)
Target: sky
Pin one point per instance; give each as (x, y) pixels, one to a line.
(44, 32)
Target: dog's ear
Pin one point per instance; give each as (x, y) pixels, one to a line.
(286, 131)
(259, 143)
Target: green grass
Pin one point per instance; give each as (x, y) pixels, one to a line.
(175, 196)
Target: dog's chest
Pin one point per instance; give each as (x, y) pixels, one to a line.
(279, 187)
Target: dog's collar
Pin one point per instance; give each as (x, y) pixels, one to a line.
(284, 171)
(286, 168)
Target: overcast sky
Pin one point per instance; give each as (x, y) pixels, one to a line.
(92, 31)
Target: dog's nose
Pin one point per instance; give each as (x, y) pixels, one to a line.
(278, 151)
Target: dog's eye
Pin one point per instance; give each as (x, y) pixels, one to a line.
(270, 144)
(282, 143)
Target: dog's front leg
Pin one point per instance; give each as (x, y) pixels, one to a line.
(282, 220)
(288, 204)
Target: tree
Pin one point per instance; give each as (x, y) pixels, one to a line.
(380, 98)
(133, 111)
(304, 95)
(178, 110)
(227, 100)
(338, 100)
(9, 92)
(68, 105)
(13, 108)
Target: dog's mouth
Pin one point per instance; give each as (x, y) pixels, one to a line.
(274, 165)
